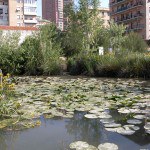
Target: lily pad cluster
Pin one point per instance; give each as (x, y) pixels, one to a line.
(81, 145)
(62, 96)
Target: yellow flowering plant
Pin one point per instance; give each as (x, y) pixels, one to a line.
(6, 95)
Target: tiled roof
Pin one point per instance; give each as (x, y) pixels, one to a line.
(18, 28)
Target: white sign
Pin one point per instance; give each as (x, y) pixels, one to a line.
(101, 50)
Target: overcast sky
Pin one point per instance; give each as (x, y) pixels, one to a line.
(104, 3)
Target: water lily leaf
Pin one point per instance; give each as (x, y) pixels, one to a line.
(134, 121)
(112, 125)
(139, 116)
(108, 146)
(90, 116)
(79, 145)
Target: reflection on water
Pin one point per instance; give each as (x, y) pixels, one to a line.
(58, 133)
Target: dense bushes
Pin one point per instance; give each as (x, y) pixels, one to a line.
(131, 65)
(11, 58)
(38, 54)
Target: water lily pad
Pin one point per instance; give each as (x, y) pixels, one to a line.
(134, 121)
(132, 127)
(91, 147)
(108, 146)
(139, 116)
(103, 115)
(124, 111)
(147, 126)
(91, 116)
(124, 131)
(106, 120)
(112, 125)
(111, 129)
(79, 144)
(48, 116)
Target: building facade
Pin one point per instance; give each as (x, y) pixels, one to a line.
(53, 10)
(104, 14)
(18, 12)
(135, 14)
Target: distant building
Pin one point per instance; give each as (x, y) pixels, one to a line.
(104, 14)
(23, 31)
(53, 10)
(41, 22)
(135, 14)
(18, 12)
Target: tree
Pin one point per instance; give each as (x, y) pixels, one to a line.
(114, 36)
(83, 28)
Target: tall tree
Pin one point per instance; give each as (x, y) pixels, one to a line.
(84, 26)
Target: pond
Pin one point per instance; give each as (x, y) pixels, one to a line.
(93, 110)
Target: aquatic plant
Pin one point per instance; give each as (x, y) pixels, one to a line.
(7, 106)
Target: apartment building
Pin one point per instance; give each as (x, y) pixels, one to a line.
(18, 12)
(53, 10)
(104, 15)
(135, 14)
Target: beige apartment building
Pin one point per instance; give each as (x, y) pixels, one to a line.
(104, 15)
(135, 14)
(18, 12)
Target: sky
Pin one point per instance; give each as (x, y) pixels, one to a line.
(104, 3)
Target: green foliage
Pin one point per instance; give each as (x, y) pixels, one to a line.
(7, 106)
(32, 55)
(50, 49)
(10, 55)
(38, 54)
(83, 28)
(134, 43)
(112, 36)
(131, 65)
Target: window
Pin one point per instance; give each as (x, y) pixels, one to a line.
(18, 16)
(30, 1)
(30, 9)
(18, 9)
(1, 11)
(60, 14)
(18, 24)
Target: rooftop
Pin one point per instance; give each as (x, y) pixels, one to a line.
(18, 28)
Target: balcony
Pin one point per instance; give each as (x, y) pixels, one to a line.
(30, 5)
(30, 21)
(129, 18)
(127, 7)
(135, 27)
(117, 2)
(30, 13)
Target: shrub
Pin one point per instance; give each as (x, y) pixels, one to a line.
(10, 54)
(134, 43)
(32, 55)
(110, 65)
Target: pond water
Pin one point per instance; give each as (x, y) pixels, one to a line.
(58, 132)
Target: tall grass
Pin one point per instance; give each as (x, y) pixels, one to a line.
(131, 65)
